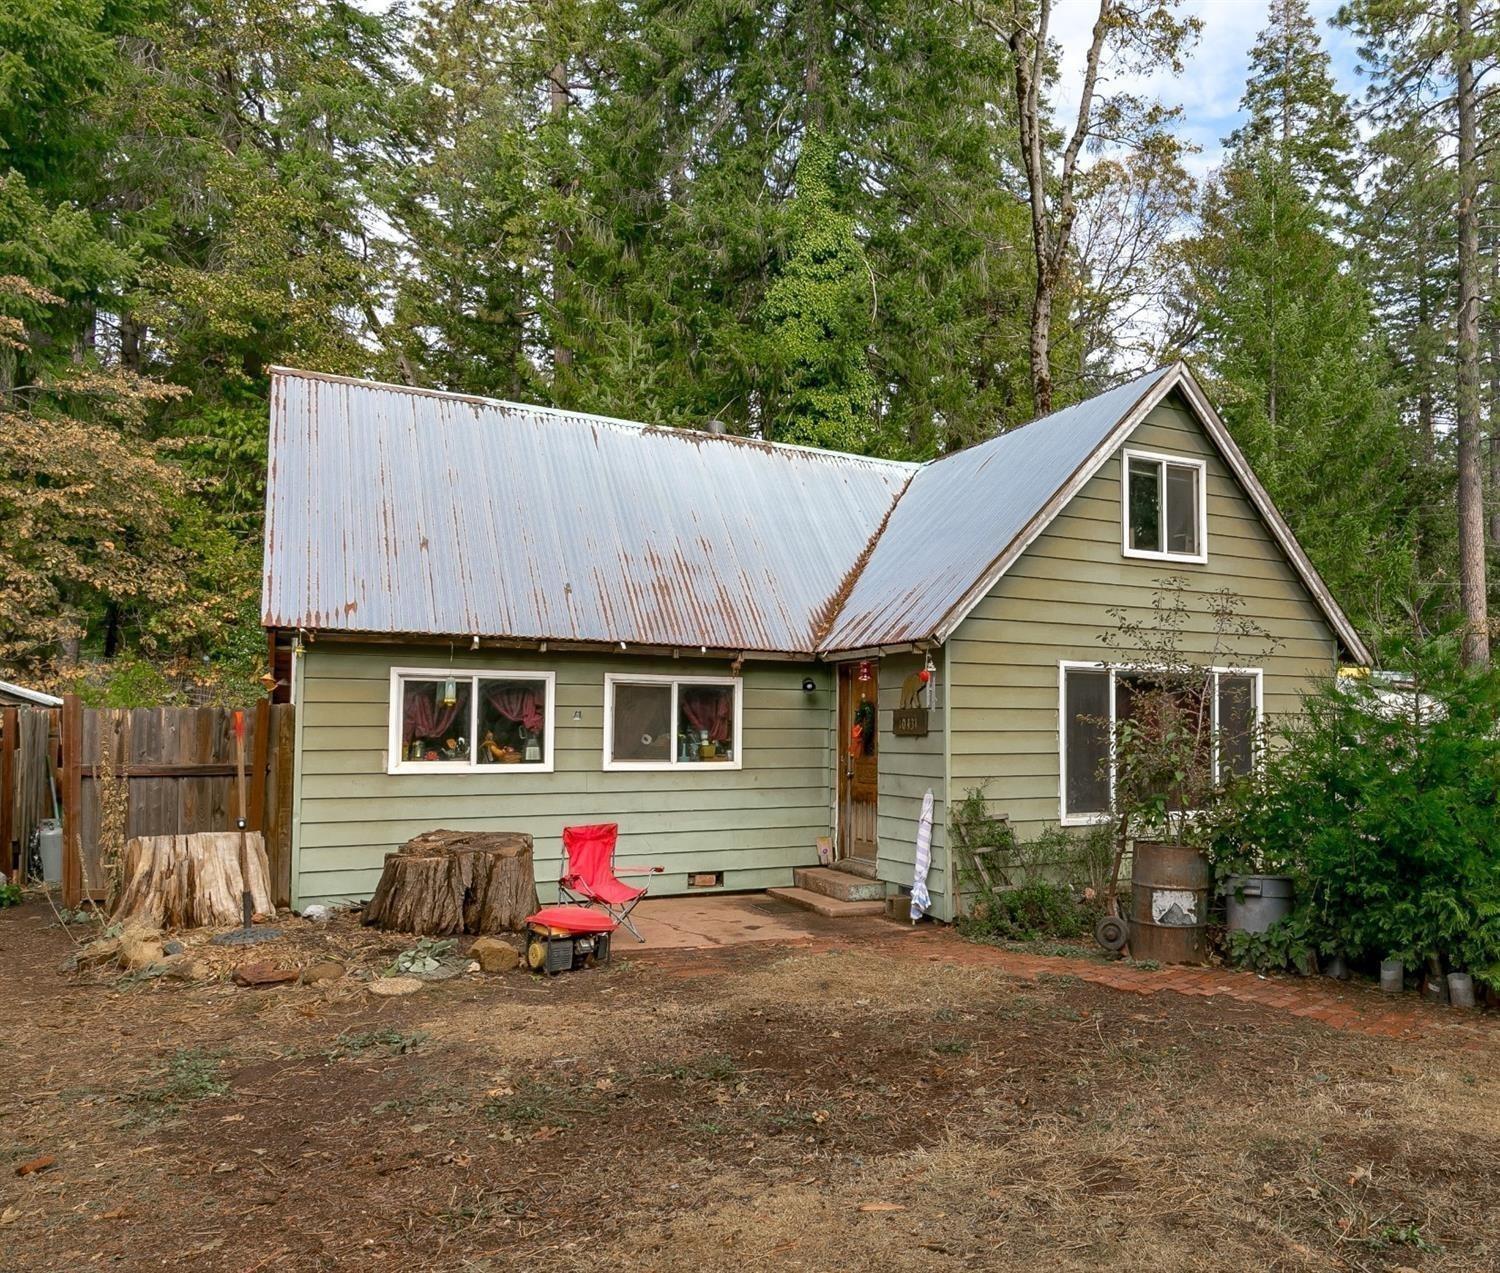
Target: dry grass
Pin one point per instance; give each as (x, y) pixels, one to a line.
(733, 1112)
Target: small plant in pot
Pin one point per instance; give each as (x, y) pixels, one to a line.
(1182, 727)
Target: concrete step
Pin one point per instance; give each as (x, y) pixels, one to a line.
(840, 884)
(821, 904)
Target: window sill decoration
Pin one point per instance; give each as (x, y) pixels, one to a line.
(446, 720)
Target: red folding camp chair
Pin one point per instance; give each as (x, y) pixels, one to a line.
(590, 876)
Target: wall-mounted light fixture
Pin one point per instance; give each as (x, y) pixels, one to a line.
(808, 685)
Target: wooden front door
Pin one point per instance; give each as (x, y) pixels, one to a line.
(858, 771)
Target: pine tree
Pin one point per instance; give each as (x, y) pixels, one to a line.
(1428, 58)
(1295, 364)
(1291, 102)
(641, 226)
(467, 203)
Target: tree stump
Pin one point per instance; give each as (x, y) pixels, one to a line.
(191, 881)
(445, 882)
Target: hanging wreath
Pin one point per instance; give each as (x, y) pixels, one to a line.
(862, 735)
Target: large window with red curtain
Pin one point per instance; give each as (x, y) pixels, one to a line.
(669, 722)
(450, 719)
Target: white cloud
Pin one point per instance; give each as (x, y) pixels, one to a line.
(1213, 81)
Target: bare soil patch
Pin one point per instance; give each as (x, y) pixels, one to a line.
(878, 1107)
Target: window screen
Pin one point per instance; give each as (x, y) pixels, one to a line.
(1236, 725)
(1182, 509)
(1086, 740)
(642, 722)
(1145, 505)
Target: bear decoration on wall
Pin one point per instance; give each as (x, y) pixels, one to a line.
(910, 719)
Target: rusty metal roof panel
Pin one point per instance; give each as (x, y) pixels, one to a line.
(961, 512)
(391, 510)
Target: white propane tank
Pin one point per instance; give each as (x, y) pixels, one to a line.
(50, 842)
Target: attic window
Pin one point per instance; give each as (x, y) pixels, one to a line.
(1165, 507)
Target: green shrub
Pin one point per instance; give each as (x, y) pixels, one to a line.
(1026, 890)
(1385, 808)
(1029, 913)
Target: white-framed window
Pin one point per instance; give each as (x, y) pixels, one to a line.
(672, 722)
(468, 720)
(1163, 506)
(1092, 697)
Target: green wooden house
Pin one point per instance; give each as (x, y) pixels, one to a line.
(496, 615)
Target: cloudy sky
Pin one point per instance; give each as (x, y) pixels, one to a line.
(1210, 88)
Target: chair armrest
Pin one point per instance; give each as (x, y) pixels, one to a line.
(640, 870)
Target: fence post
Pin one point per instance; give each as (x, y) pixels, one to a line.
(261, 743)
(72, 799)
(10, 729)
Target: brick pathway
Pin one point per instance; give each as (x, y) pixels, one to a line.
(1351, 1006)
(715, 927)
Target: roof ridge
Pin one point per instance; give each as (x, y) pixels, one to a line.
(568, 413)
(1041, 419)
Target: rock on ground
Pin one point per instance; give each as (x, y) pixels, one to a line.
(323, 970)
(140, 947)
(390, 986)
(494, 955)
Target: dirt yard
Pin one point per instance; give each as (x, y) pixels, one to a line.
(877, 1103)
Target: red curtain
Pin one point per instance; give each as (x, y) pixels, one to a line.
(708, 709)
(520, 703)
(421, 717)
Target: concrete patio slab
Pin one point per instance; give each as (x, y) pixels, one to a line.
(732, 919)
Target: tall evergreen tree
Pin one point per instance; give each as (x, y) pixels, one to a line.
(1292, 104)
(641, 224)
(1289, 342)
(1427, 58)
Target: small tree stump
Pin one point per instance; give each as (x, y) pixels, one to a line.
(445, 882)
(191, 881)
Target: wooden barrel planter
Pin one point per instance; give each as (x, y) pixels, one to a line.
(1169, 890)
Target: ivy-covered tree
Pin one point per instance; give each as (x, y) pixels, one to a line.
(817, 316)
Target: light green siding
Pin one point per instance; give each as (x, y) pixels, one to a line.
(909, 767)
(1054, 603)
(754, 824)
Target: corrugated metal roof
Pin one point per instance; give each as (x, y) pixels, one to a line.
(393, 510)
(960, 513)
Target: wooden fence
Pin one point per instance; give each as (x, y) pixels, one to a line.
(28, 771)
(171, 771)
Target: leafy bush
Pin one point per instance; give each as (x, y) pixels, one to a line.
(1025, 890)
(1385, 807)
(1029, 913)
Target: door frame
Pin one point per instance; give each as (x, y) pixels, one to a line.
(845, 680)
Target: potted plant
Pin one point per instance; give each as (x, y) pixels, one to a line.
(1165, 777)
